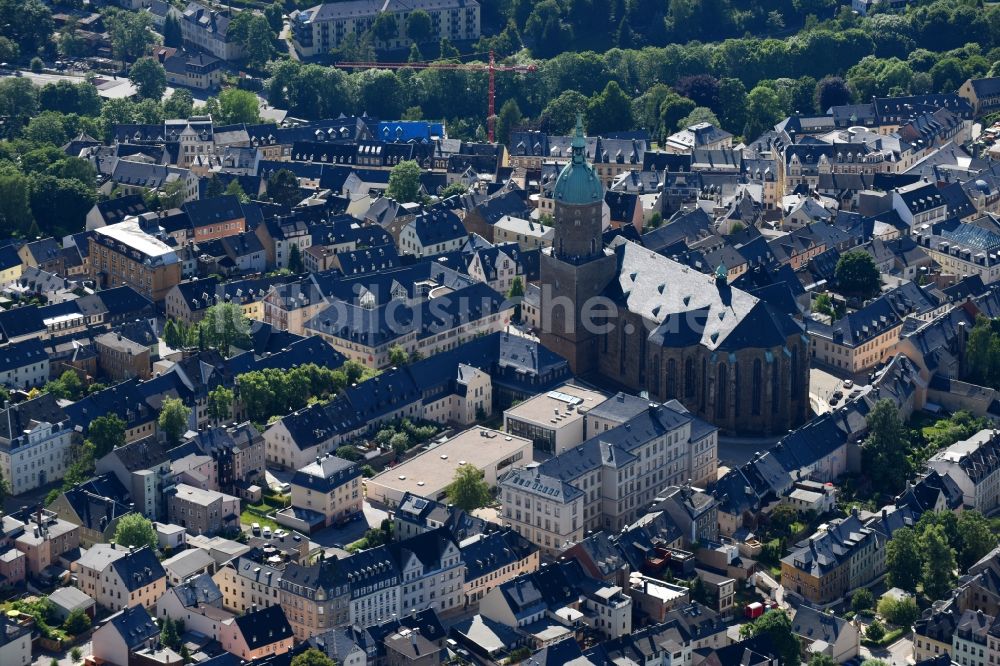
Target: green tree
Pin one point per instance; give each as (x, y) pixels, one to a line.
(283, 187)
(385, 28)
(820, 659)
(516, 295)
(610, 111)
(559, 115)
(831, 91)
(77, 622)
(508, 118)
(106, 433)
(223, 327)
(172, 32)
(862, 600)
(36, 65)
(939, 563)
(68, 386)
(4, 489)
(173, 334)
(180, 104)
(173, 419)
(398, 356)
(149, 77)
(254, 34)
(238, 106)
(763, 110)
(900, 612)
(884, 451)
(274, 13)
(975, 538)
(173, 194)
(857, 274)
(76, 655)
(874, 662)
(469, 491)
(130, 34)
(778, 627)
(701, 114)
(220, 403)
(418, 26)
(903, 559)
(312, 657)
(348, 453)
(60, 205)
(400, 442)
(234, 189)
(875, 631)
(168, 633)
(295, 260)
(404, 182)
(673, 110)
(134, 529)
(453, 189)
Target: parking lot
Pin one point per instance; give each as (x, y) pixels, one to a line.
(822, 386)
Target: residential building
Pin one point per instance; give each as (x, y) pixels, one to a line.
(825, 633)
(493, 559)
(834, 561)
(96, 506)
(121, 358)
(974, 464)
(202, 511)
(24, 365)
(318, 30)
(433, 231)
(125, 254)
(15, 643)
(432, 573)
(207, 30)
(693, 510)
(141, 466)
(431, 472)
(192, 70)
(982, 94)
(135, 579)
(197, 602)
(528, 234)
(327, 491)
(610, 479)
(246, 583)
(548, 602)
(35, 443)
(44, 540)
(128, 631)
(187, 564)
(257, 634)
(968, 644)
(238, 452)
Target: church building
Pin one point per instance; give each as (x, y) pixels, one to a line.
(634, 318)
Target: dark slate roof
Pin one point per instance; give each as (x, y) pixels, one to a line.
(881, 314)
(264, 627)
(326, 474)
(214, 210)
(139, 568)
(21, 354)
(485, 553)
(135, 626)
(21, 321)
(99, 501)
(815, 625)
(115, 210)
(436, 225)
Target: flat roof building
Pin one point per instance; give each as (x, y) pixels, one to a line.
(553, 421)
(431, 472)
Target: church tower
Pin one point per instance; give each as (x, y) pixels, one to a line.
(576, 269)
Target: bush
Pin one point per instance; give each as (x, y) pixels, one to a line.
(862, 600)
(900, 612)
(77, 622)
(875, 631)
(37, 65)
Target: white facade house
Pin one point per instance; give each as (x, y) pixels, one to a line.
(974, 464)
(35, 439)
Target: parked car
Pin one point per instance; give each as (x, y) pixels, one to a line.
(255, 529)
(267, 532)
(848, 383)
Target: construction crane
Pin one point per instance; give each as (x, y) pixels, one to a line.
(491, 67)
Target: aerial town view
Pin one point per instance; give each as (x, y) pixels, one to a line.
(494, 332)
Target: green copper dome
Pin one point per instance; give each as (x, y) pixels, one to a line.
(577, 183)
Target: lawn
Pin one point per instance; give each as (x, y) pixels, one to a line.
(254, 513)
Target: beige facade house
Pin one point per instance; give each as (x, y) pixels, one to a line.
(246, 583)
(330, 486)
(137, 579)
(124, 253)
(257, 634)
